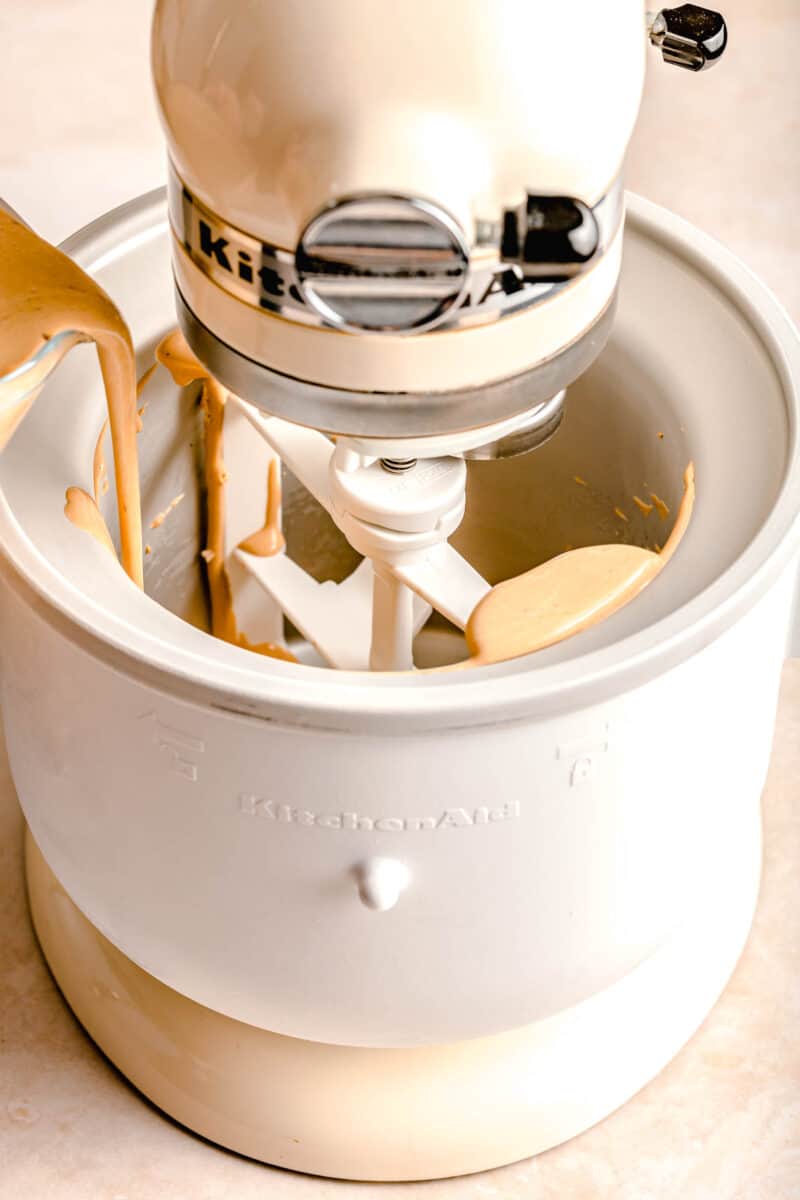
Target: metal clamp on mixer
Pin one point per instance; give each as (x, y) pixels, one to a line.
(689, 36)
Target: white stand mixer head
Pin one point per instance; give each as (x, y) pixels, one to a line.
(412, 268)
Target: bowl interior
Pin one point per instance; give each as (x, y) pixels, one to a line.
(683, 377)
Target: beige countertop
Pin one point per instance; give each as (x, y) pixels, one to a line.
(722, 1122)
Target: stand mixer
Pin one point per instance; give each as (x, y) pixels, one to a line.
(361, 269)
(369, 263)
(378, 922)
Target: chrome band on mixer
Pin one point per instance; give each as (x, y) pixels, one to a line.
(398, 414)
(437, 285)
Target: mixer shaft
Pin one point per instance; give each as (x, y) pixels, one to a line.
(392, 624)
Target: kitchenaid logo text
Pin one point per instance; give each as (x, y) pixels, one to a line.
(252, 270)
(218, 250)
(449, 818)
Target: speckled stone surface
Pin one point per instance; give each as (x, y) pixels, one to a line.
(722, 1122)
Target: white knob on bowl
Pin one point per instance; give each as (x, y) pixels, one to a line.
(380, 882)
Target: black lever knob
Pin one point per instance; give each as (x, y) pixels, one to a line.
(549, 238)
(689, 36)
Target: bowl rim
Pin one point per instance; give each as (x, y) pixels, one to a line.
(508, 691)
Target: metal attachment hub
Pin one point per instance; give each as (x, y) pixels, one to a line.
(386, 264)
